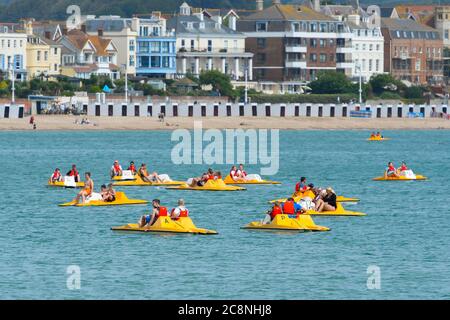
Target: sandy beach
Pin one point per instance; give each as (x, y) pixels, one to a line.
(60, 122)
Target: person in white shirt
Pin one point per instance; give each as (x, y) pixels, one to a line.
(116, 169)
(179, 212)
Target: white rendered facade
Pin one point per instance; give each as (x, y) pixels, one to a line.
(13, 52)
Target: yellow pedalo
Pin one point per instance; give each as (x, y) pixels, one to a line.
(62, 184)
(229, 180)
(340, 211)
(378, 139)
(401, 178)
(136, 180)
(302, 223)
(167, 225)
(210, 185)
(298, 196)
(121, 199)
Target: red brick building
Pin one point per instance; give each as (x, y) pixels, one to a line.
(412, 51)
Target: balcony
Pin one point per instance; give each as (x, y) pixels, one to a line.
(295, 64)
(295, 48)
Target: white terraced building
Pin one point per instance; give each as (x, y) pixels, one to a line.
(205, 43)
(13, 52)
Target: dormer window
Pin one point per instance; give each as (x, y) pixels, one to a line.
(261, 26)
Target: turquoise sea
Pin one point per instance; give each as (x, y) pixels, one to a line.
(406, 232)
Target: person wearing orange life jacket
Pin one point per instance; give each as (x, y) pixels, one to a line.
(74, 173)
(56, 176)
(276, 210)
(157, 212)
(180, 211)
(116, 169)
(291, 207)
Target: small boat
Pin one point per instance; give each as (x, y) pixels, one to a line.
(167, 225)
(301, 223)
(340, 211)
(210, 185)
(309, 194)
(251, 179)
(407, 175)
(96, 200)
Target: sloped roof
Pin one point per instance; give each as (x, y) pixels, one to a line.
(179, 23)
(421, 13)
(108, 24)
(286, 12)
(79, 39)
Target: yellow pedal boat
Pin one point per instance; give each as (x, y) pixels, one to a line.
(121, 199)
(229, 180)
(378, 139)
(298, 196)
(167, 225)
(138, 182)
(340, 211)
(210, 185)
(302, 223)
(62, 184)
(401, 178)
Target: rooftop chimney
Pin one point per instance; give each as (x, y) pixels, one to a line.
(100, 32)
(259, 5)
(316, 5)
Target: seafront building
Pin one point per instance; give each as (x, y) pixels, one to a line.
(412, 52)
(85, 55)
(205, 43)
(13, 51)
(292, 43)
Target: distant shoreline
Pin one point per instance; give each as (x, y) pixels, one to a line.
(67, 123)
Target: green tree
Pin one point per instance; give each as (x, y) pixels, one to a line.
(380, 82)
(219, 81)
(330, 82)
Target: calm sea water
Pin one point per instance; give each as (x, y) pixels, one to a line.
(405, 233)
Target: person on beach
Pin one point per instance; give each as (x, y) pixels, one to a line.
(391, 171)
(56, 176)
(74, 173)
(145, 176)
(328, 201)
(180, 211)
(132, 167)
(116, 169)
(87, 190)
(157, 211)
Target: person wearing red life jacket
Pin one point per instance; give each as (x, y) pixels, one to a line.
(391, 171)
(74, 173)
(180, 211)
(403, 167)
(240, 173)
(276, 210)
(301, 186)
(132, 167)
(116, 169)
(233, 173)
(157, 212)
(56, 176)
(291, 207)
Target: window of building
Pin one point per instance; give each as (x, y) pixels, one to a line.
(261, 26)
(144, 62)
(131, 62)
(370, 64)
(377, 65)
(131, 45)
(45, 55)
(322, 43)
(261, 43)
(55, 51)
(192, 45)
(323, 27)
(155, 47)
(261, 58)
(38, 56)
(155, 62)
(313, 57)
(313, 27)
(378, 47)
(313, 43)
(165, 47)
(370, 47)
(356, 46)
(183, 43)
(209, 45)
(446, 34)
(323, 57)
(165, 62)
(144, 47)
